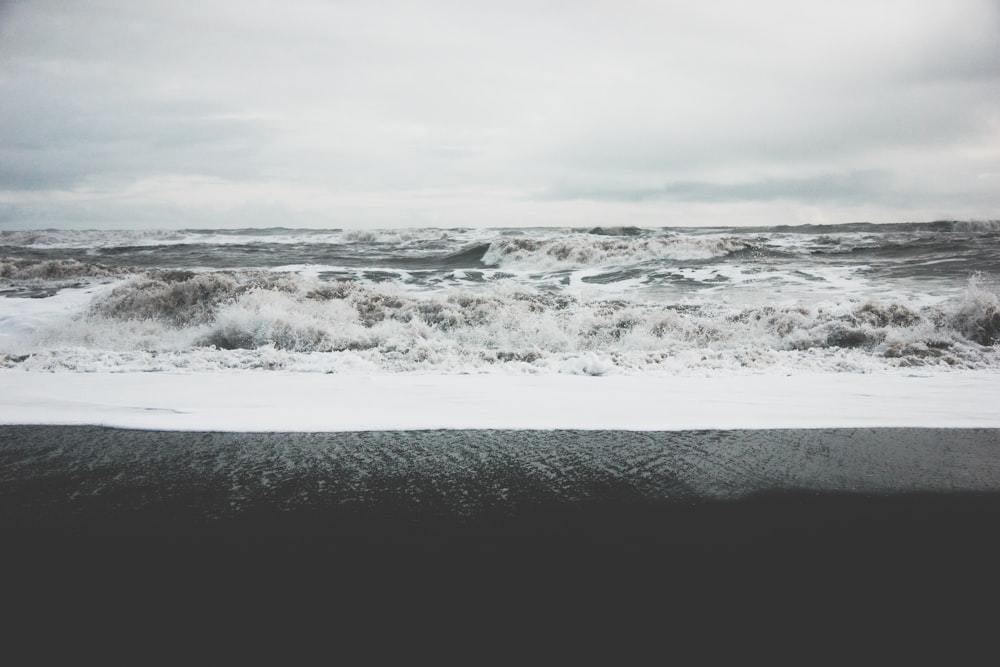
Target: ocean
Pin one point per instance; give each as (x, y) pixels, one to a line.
(857, 298)
(561, 428)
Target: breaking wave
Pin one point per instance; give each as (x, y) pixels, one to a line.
(976, 226)
(179, 318)
(55, 270)
(610, 249)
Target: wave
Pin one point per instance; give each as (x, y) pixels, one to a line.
(470, 258)
(100, 238)
(937, 226)
(578, 251)
(90, 238)
(54, 270)
(396, 236)
(179, 317)
(908, 250)
(616, 231)
(174, 297)
(976, 226)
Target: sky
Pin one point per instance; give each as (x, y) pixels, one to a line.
(466, 113)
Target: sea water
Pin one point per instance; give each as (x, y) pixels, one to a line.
(854, 299)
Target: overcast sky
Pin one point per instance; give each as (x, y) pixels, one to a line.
(166, 113)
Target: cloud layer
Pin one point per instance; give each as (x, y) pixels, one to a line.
(310, 113)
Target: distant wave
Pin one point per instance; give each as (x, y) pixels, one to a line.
(470, 258)
(575, 252)
(54, 270)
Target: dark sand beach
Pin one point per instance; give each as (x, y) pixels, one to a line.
(523, 521)
(355, 490)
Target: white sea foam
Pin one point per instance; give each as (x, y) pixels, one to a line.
(168, 320)
(100, 238)
(282, 401)
(976, 226)
(579, 250)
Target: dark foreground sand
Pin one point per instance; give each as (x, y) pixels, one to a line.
(533, 523)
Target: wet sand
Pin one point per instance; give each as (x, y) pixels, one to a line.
(376, 520)
(101, 481)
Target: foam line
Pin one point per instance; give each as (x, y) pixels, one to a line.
(282, 401)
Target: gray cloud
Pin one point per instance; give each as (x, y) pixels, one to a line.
(852, 187)
(875, 102)
(58, 130)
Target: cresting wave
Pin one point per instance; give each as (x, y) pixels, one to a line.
(53, 272)
(547, 254)
(176, 320)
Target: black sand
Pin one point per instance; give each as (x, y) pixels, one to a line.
(508, 517)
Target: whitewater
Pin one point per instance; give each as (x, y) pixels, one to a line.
(614, 327)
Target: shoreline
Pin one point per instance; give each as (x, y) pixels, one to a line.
(284, 401)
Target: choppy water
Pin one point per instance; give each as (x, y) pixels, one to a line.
(845, 298)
